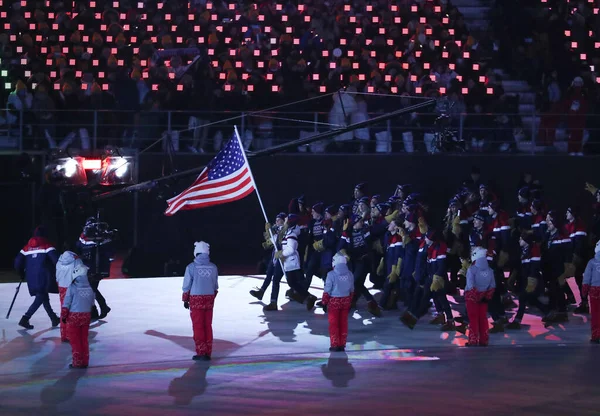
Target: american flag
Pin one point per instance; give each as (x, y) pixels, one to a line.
(226, 179)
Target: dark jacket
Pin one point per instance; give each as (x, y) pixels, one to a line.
(36, 262)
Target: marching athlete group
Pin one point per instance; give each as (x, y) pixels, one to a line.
(482, 256)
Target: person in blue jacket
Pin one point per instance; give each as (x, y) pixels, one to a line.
(36, 263)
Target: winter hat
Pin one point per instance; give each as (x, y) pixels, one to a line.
(331, 210)
(405, 189)
(574, 211)
(318, 208)
(454, 202)
(537, 204)
(281, 216)
(478, 253)
(361, 187)
(338, 259)
(292, 219)
(495, 204)
(346, 209)
(301, 200)
(524, 192)
(554, 217)
(483, 186)
(200, 247)
(79, 270)
(364, 200)
(412, 217)
(376, 198)
(382, 207)
(480, 215)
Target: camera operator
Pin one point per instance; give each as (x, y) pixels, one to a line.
(95, 248)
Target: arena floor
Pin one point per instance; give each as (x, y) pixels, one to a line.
(279, 364)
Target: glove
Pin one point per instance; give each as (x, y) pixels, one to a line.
(437, 284)
(325, 299)
(186, 305)
(381, 267)
(502, 259)
(585, 290)
(306, 254)
(422, 225)
(318, 246)
(393, 276)
(279, 255)
(562, 279)
(377, 246)
(531, 284)
(399, 264)
(456, 228)
(591, 188)
(267, 245)
(345, 254)
(393, 216)
(346, 224)
(267, 227)
(402, 232)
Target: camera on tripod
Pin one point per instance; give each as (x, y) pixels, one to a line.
(99, 231)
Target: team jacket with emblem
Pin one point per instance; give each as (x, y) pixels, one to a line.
(436, 259)
(289, 248)
(411, 250)
(578, 235)
(556, 251)
(356, 242)
(482, 238)
(87, 250)
(500, 231)
(37, 263)
(524, 217)
(420, 273)
(531, 260)
(331, 232)
(539, 226)
(394, 250)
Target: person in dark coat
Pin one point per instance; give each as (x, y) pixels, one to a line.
(36, 263)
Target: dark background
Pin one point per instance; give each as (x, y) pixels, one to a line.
(235, 230)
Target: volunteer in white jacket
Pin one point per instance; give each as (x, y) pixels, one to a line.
(64, 276)
(591, 288)
(200, 288)
(337, 299)
(291, 262)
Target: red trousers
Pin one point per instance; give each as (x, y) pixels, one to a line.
(594, 298)
(62, 291)
(78, 328)
(478, 323)
(201, 311)
(337, 313)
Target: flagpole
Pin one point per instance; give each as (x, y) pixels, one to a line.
(262, 207)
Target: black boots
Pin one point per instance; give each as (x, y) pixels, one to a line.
(271, 307)
(104, 312)
(55, 321)
(201, 358)
(24, 322)
(257, 293)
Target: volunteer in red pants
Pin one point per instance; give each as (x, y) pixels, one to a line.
(76, 313)
(337, 298)
(200, 286)
(478, 291)
(64, 276)
(591, 288)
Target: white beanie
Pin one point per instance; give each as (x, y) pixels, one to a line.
(79, 270)
(200, 247)
(339, 259)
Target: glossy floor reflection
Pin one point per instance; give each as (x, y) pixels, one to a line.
(278, 363)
